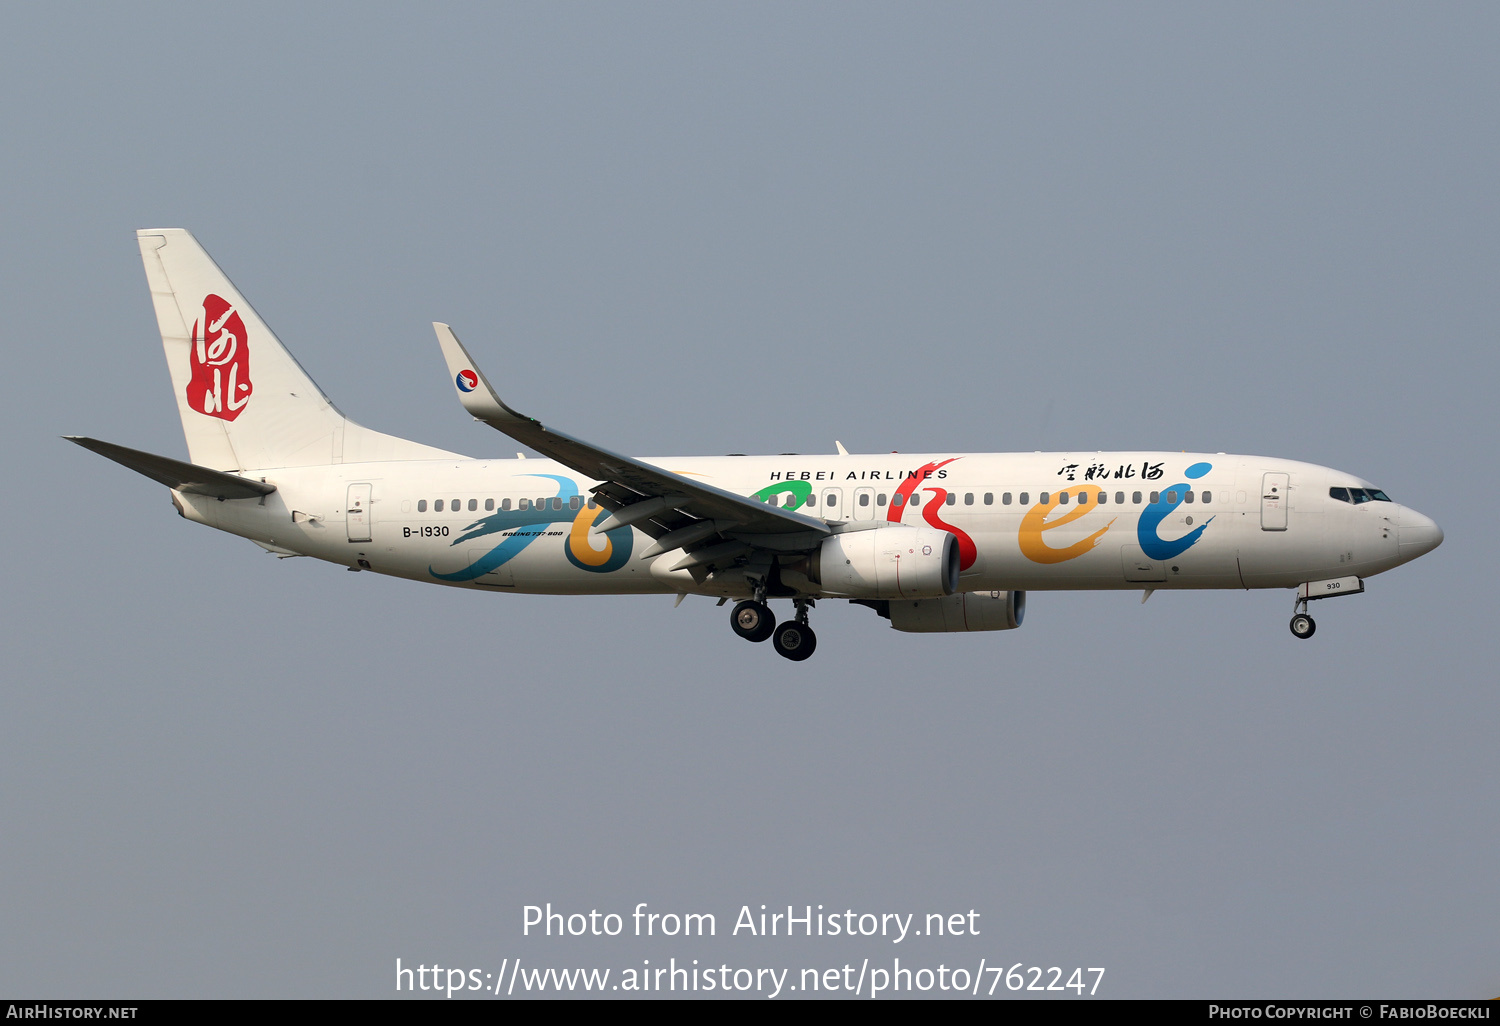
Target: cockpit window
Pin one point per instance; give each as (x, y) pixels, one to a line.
(1358, 495)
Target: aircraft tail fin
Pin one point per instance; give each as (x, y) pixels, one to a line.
(245, 402)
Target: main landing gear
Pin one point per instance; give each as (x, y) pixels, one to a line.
(1303, 625)
(754, 621)
(796, 639)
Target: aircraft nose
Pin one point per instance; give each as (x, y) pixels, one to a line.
(1417, 534)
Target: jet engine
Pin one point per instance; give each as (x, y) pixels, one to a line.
(889, 562)
(969, 611)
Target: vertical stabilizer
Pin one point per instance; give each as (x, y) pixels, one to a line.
(245, 402)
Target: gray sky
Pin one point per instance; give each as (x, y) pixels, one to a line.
(692, 229)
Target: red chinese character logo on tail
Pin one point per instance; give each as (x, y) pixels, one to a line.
(220, 361)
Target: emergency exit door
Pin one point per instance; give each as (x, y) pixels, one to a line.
(1273, 501)
(357, 512)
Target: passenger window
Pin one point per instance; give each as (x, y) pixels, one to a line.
(812, 500)
(592, 504)
(1189, 496)
(557, 502)
(437, 506)
(898, 499)
(864, 498)
(989, 498)
(421, 505)
(952, 499)
(915, 500)
(525, 504)
(1043, 499)
(1005, 499)
(457, 505)
(505, 504)
(1026, 498)
(1208, 497)
(473, 505)
(1120, 499)
(1171, 499)
(1135, 497)
(489, 504)
(831, 500)
(1155, 497)
(575, 501)
(880, 499)
(1062, 498)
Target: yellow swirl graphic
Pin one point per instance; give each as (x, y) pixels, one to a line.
(1035, 522)
(582, 546)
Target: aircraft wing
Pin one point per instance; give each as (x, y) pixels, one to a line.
(658, 501)
(184, 477)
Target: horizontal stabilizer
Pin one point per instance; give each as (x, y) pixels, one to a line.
(182, 477)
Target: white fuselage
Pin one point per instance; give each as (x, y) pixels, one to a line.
(1166, 520)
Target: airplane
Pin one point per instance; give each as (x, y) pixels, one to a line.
(936, 542)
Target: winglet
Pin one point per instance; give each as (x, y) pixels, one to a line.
(634, 479)
(475, 392)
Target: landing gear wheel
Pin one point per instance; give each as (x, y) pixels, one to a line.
(753, 620)
(794, 640)
(1303, 625)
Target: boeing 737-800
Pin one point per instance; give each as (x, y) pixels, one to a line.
(933, 542)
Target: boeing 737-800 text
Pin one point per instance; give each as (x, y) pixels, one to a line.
(933, 542)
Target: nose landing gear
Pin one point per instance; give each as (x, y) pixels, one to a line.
(1303, 625)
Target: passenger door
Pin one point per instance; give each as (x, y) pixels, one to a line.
(1273, 501)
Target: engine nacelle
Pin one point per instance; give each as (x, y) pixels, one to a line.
(969, 611)
(887, 563)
